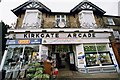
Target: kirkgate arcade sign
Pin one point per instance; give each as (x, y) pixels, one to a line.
(55, 35)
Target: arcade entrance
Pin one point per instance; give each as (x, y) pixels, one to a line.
(63, 56)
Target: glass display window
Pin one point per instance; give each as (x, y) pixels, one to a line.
(101, 47)
(18, 55)
(89, 48)
(97, 54)
(91, 59)
(105, 58)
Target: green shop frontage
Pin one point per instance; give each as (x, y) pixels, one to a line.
(86, 52)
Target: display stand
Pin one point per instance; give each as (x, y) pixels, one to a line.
(47, 68)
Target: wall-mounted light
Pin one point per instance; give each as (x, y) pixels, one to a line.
(61, 31)
(44, 31)
(105, 31)
(91, 30)
(76, 31)
(27, 31)
(10, 32)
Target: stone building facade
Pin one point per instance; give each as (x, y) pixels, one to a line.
(85, 35)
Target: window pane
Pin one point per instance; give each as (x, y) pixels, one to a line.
(89, 48)
(18, 54)
(105, 58)
(62, 16)
(101, 47)
(31, 53)
(91, 59)
(63, 20)
(58, 16)
(58, 20)
(13, 56)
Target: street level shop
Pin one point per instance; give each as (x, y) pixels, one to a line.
(85, 51)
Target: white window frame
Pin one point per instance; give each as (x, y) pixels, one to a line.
(60, 19)
(97, 53)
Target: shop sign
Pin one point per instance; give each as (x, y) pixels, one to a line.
(31, 41)
(55, 35)
(80, 58)
(61, 40)
(23, 41)
(12, 42)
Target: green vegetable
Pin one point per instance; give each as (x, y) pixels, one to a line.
(46, 76)
(38, 76)
(37, 64)
(30, 75)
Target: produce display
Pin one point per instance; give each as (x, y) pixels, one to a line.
(35, 71)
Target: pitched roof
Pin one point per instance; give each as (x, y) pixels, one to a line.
(86, 5)
(31, 4)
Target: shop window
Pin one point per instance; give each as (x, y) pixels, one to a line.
(60, 20)
(101, 47)
(90, 48)
(91, 59)
(20, 54)
(105, 58)
(97, 54)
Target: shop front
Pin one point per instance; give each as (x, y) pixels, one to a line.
(92, 52)
(20, 53)
(87, 52)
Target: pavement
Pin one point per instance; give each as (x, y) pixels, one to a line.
(75, 75)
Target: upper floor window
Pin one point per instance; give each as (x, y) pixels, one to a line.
(32, 19)
(116, 34)
(60, 20)
(87, 19)
(110, 21)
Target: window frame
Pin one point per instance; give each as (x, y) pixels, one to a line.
(98, 53)
(60, 18)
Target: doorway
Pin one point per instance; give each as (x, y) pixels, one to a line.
(62, 57)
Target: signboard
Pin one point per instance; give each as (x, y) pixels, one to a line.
(61, 40)
(72, 40)
(55, 35)
(61, 35)
(24, 41)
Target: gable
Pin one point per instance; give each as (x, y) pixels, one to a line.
(31, 4)
(86, 5)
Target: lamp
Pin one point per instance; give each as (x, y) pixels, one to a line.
(91, 30)
(76, 31)
(44, 30)
(61, 31)
(105, 31)
(27, 31)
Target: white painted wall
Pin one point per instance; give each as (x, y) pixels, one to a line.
(80, 53)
